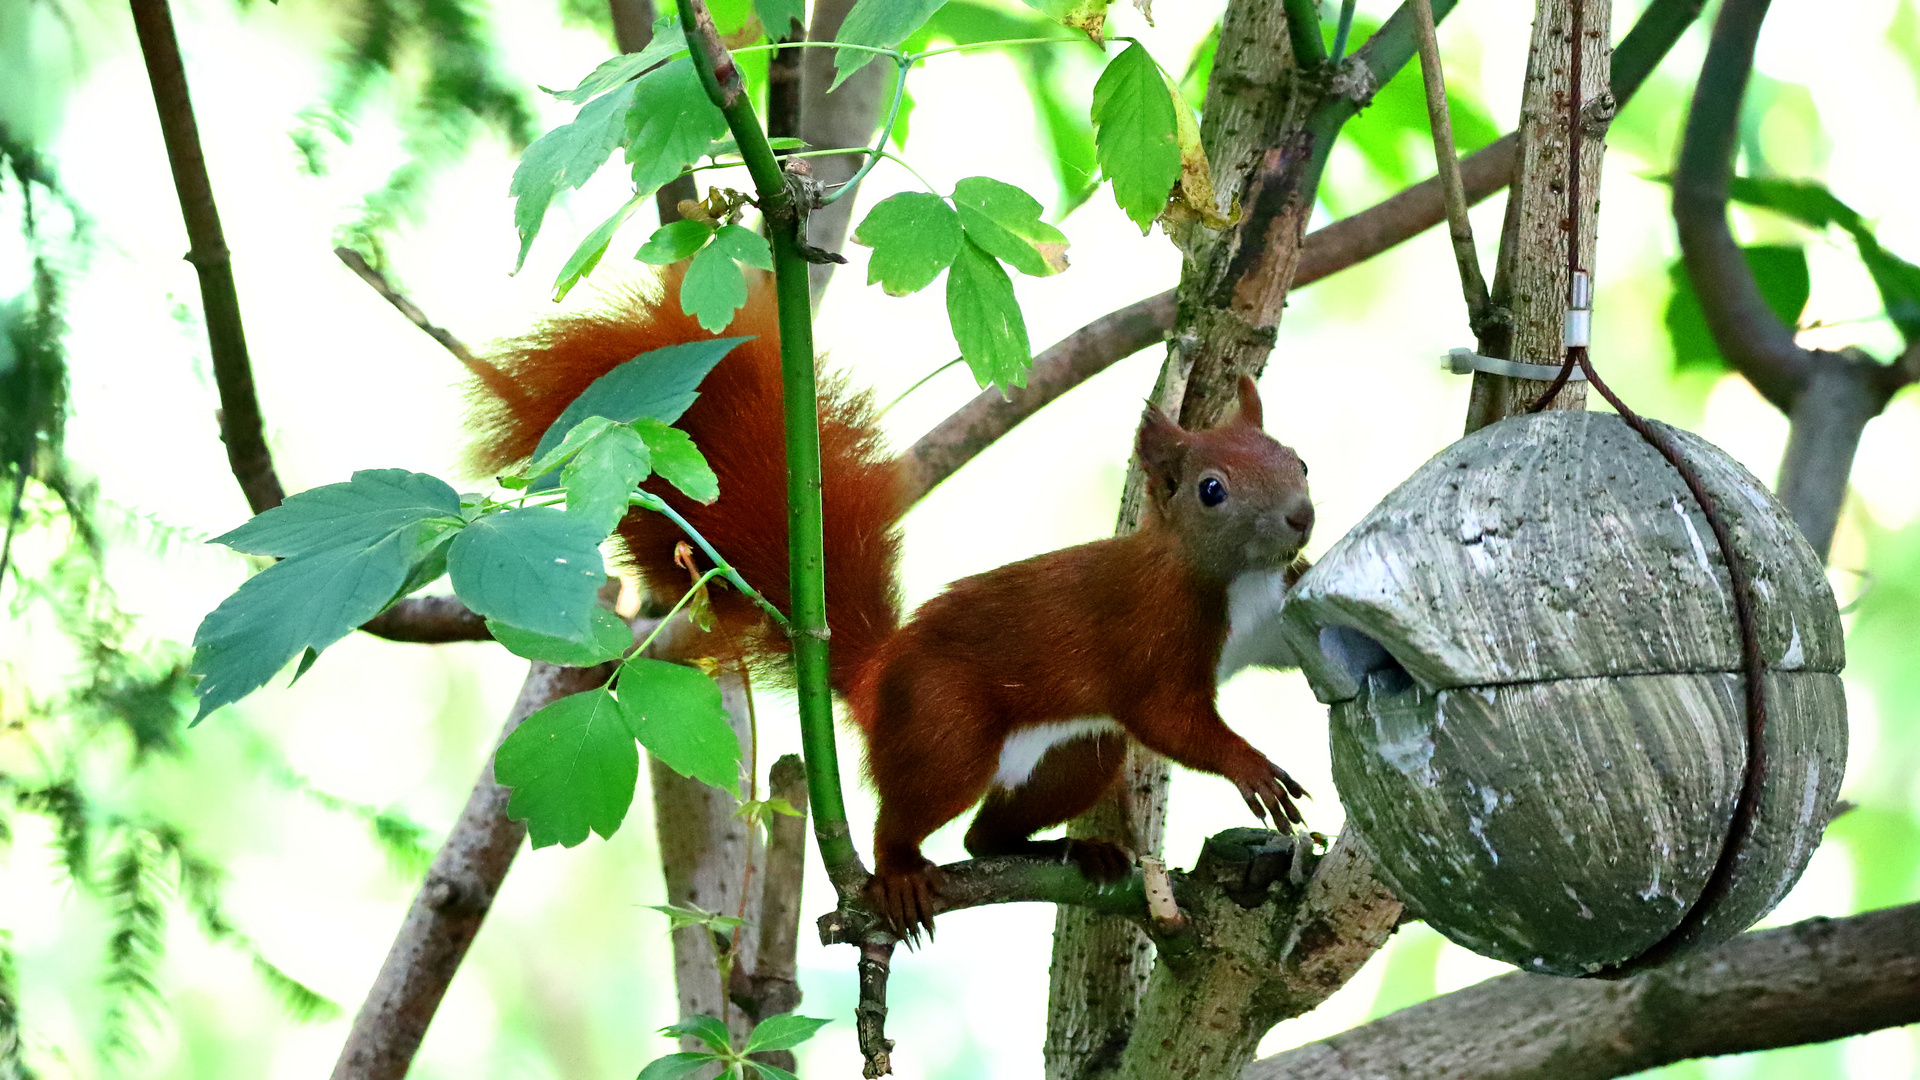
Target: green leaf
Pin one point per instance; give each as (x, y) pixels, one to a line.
(1811, 204)
(675, 712)
(587, 255)
(914, 236)
(308, 601)
(1781, 273)
(707, 1029)
(770, 1072)
(667, 41)
(669, 126)
(714, 288)
(537, 568)
(572, 767)
(680, 916)
(374, 504)
(986, 319)
(604, 473)
(577, 437)
(744, 245)
(659, 383)
(677, 1066)
(611, 639)
(779, 17)
(1050, 75)
(671, 243)
(882, 24)
(429, 557)
(1089, 16)
(1134, 134)
(783, 1032)
(678, 461)
(564, 158)
(1005, 222)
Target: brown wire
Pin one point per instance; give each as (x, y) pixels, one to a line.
(1752, 663)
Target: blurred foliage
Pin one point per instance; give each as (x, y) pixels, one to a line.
(72, 746)
(1781, 272)
(1056, 80)
(433, 60)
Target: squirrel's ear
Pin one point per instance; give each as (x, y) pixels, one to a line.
(1162, 446)
(1250, 410)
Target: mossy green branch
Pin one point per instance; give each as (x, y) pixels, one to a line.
(809, 615)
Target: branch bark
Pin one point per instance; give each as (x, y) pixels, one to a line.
(1812, 981)
(1530, 281)
(1328, 250)
(241, 427)
(846, 117)
(452, 902)
(428, 620)
(1268, 124)
(1828, 396)
(1262, 958)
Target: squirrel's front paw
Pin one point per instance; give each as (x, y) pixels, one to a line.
(905, 899)
(1270, 794)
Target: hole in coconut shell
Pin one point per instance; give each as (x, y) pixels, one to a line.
(1364, 660)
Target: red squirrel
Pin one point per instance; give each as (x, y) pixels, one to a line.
(1016, 688)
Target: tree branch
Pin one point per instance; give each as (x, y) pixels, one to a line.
(358, 263)
(1812, 981)
(240, 424)
(1829, 397)
(428, 620)
(1327, 251)
(1748, 332)
(1077, 357)
(452, 902)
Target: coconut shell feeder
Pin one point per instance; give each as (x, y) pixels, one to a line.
(1534, 667)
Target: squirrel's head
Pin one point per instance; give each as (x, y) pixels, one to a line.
(1233, 494)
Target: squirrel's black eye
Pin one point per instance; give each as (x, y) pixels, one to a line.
(1212, 492)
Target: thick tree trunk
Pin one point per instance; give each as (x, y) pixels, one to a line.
(1530, 282)
(705, 853)
(1100, 963)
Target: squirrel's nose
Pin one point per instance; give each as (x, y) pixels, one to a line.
(1301, 519)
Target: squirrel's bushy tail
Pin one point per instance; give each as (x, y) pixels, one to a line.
(737, 423)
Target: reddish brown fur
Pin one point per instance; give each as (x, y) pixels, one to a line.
(1129, 628)
(737, 423)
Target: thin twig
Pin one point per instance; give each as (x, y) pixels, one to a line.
(494, 379)
(1472, 285)
(241, 427)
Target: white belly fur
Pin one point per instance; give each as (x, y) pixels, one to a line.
(1022, 751)
(1254, 603)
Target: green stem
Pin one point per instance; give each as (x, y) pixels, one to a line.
(1341, 31)
(804, 538)
(1303, 28)
(875, 49)
(659, 505)
(1384, 54)
(880, 143)
(978, 45)
(677, 605)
